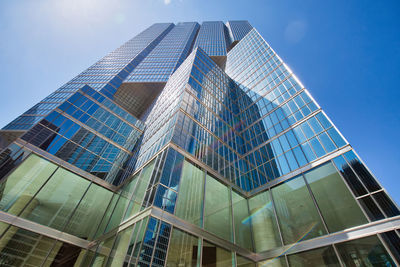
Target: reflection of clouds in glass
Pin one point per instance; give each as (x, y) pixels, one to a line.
(295, 31)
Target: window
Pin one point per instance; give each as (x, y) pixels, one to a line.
(190, 198)
(217, 209)
(242, 221)
(367, 251)
(263, 221)
(325, 256)
(297, 214)
(338, 207)
(183, 249)
(214, 256)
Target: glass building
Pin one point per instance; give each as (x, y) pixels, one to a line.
(189, 145)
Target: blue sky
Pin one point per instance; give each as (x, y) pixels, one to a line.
(345, 52)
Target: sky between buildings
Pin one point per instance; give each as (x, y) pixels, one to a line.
(346, 53)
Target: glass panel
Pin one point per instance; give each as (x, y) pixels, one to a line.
(274, 262)
(103, 251)
(165, 199)
(350, 177)
(217, 209)
(325, 256)
(372, 210)
(56, 201)
(140, 189)
(214, 256)
(367, 251)
(23, 183)
(89, 213)
(386, 204)
(190, 197)
(242, 222)
(19, 247)
(137, 238)
(362, 172)
(393, 242)
(183, 249)
(263, 221)
(107, 215)
(243, 262)
(338, 207)
(64, 254)
(297, 214)
(117, 256)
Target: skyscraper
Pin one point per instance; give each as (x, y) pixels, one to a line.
(189, 145)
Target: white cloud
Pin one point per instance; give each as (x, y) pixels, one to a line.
(167, 2)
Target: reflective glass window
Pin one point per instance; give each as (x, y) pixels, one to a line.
(137, 198)
(23, 183)
(56, 201)
(183, 249)
(243, 262)
(189, 204)
(367, 251)
(120, 247)
(338, 207)
(214, 256)
(386, 204)
(298, 217)
(263, 221)
(217, 209)
(89, 213)
(242, 222)
(325, 256)
(350, 177)
(370, 207)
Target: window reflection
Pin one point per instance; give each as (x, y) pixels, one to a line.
(217, 209)
(338, 207)
(297, 214)
(214, 256)
(263, 221)
(325, 256)
(367, 251)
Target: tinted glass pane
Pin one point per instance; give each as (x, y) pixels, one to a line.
(217, 209)
(190, 197)
(367, 251)
(263, 220)
(350, 177)
(243, 262)
(214, 256)
(56, 201)
(24, 248)
(137, 238)
(297, 214)
(275, 262)
(392, 239)
(183, 249)
(362, 172)
(242, 221)
(89, 213)
(338, 207)
(104, 250)
(23, 183)
(371, 208)
(325, 256)
(386, 204)
(120, 248)
(140, 189)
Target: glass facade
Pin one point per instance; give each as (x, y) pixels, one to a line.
(189, 145)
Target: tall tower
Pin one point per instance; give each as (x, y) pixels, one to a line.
(189, 145)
